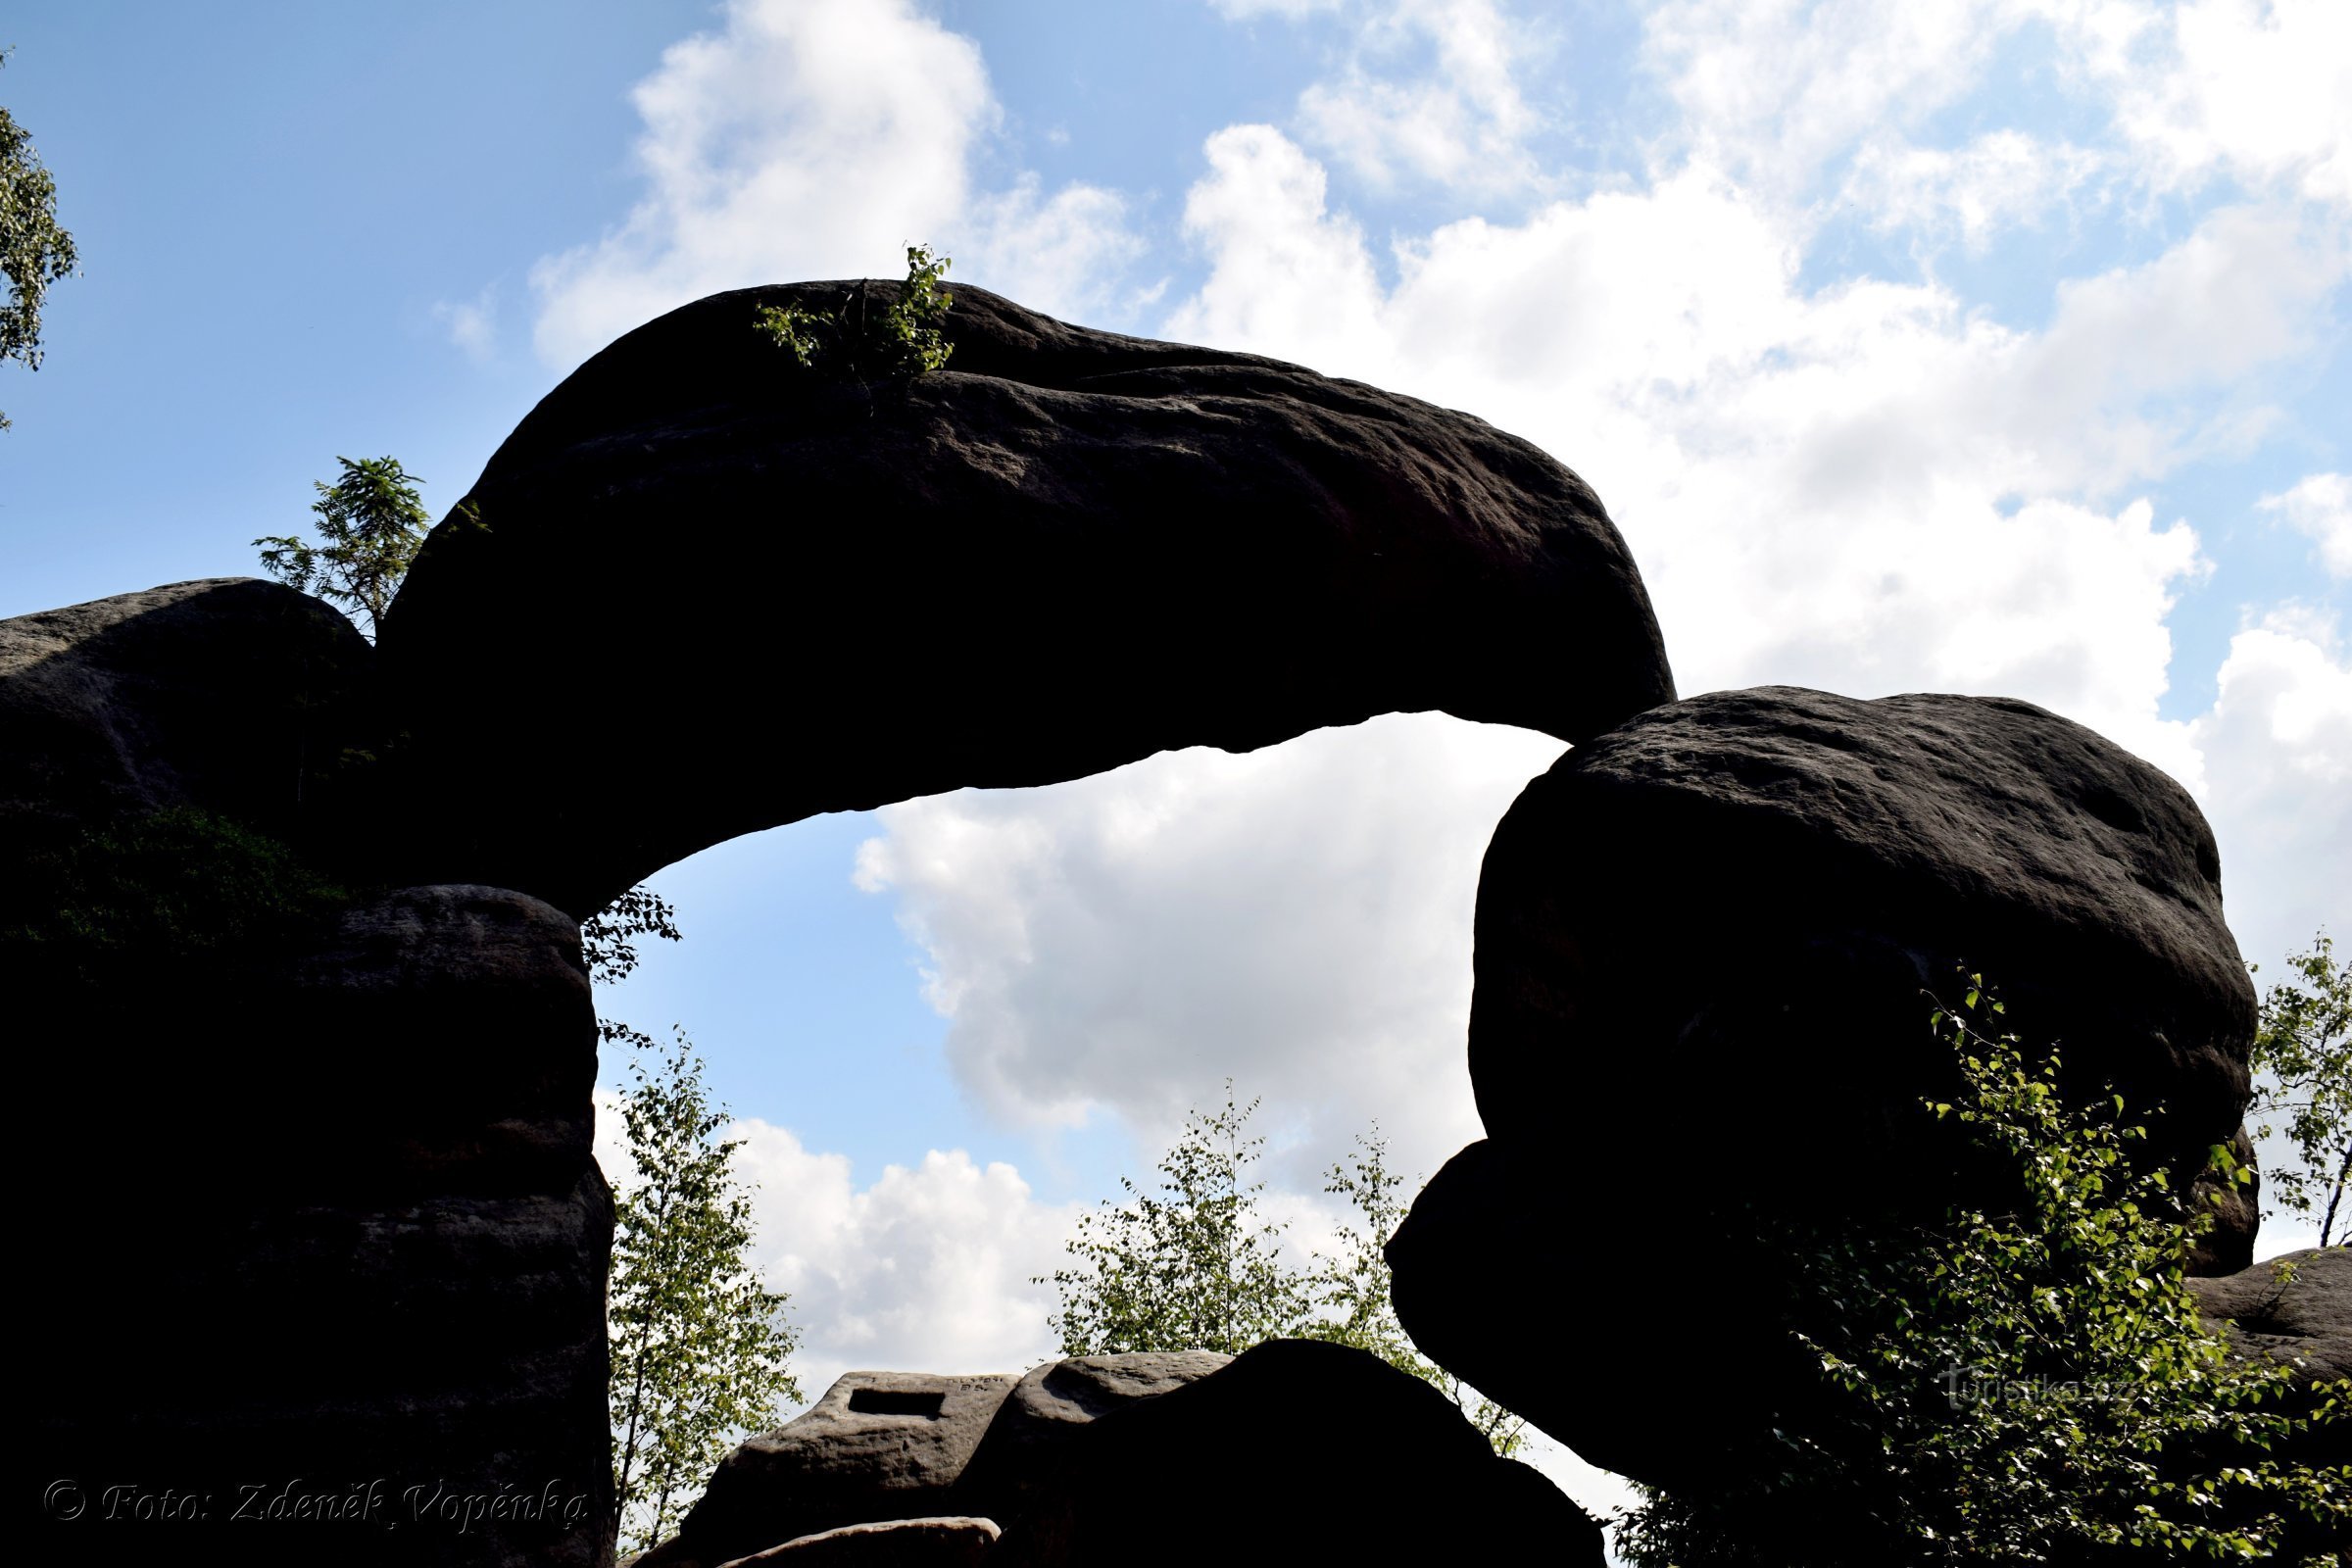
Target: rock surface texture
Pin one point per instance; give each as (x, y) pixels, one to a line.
(1046, 1411)
(879, 1446)
(230, 695)
(1298, 1451)
(2303, 1321)
(1725, 917)
(342, 1249)
(1115, 547)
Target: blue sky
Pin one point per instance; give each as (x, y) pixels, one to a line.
(1985, 345)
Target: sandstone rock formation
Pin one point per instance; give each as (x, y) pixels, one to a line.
(878, 1446)
(1716, 926)
(2296, 1310)
(1298, 1451)
(1034, 1428)
(229, 696)
(1747, 896)
(327, 1246)
(694, 553)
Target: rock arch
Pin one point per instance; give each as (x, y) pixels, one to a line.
(694, 594)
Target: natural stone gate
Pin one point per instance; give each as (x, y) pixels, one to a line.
(300, 915)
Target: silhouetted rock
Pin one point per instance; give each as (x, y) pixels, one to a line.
(1300, 1452)
(1704, 947)
(229, 696)
(1046, 1410)
(879, 1446)
(341, 1242)
(1727, 914)
(1067, 550)
(952, 1542)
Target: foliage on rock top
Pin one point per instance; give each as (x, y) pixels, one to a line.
(370, 523)
(2032, 1386)
(904, 337)
(180, 882)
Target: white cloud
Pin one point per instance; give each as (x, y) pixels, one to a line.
(2321, 505)
(1776, 92)
(2278, 762)
(1288, 10)
(2258, 89)
(2001, 180)
(1063, 254)
(1865, 487)
(926, 1269)
(1461, 121)
(1296, 919)
(2253, 89)
(1286, 277)
(472, 323)
(816, 138)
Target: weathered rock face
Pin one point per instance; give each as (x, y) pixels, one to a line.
(340, 1247)
(231, 695)
(1738, 902)
(1715, 927)
(1298, 1451)
(2296, 1311)
(2299, 1316)
(1043, 1414)
(879, 1446)
(1116, 546)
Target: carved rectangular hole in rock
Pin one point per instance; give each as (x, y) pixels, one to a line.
(895, 1402)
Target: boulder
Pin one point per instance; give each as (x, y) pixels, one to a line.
(342, 1241)
(2295, 1309)
(1662, 1381)
(229, 696)
(1034, 1428)
(1705, 947)
(1116, 546)
(1730, 912)
(1298, 1451)
(956, 1541)
(879, 1446)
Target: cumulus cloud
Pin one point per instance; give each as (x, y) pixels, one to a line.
(927, 1268)
(1999, 180)
(816, 138)
(1865, 486)
(1296, 919)
(2257, 89)
(1777, 92)
(472, 325)
(2321, 505)
(2278, 761)
(1459, 119)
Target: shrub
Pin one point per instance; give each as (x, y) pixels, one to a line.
(2032, 1386)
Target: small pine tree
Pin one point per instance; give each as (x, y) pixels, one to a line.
(370, 523)
(700, 1344)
